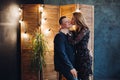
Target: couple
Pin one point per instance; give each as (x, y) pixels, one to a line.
(71, 55)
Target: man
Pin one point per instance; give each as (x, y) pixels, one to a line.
(64, 52)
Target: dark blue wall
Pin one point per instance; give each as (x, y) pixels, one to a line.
(107, 36)
(107, 41)
(31, 1)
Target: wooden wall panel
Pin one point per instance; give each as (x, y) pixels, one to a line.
(52, 14)
(67, 10)
(30, 23)
(31, 20)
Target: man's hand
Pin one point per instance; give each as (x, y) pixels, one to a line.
(74, 72)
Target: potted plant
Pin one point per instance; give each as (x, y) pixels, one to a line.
(38, 51)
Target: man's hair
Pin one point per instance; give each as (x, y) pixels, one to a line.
(61, 18)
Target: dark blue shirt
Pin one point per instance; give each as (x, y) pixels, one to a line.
(63, 53)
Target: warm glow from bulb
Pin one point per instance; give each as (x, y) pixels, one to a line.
(43, 20)
(13, 14)
(14, 10)
(41, 8)
(44, 14)
(25, 35)
(41, 26)
(73, 28)
(20, 21)
(77, 10)
(20, 11)
(47, 32)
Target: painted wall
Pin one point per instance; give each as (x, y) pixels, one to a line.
(107, 41)
(106, 36)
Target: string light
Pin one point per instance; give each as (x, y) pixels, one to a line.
(77, 8)
(41, 8)
(20, 21)
(47, 32)
(25, 35)
(43, 20)
(20, 11)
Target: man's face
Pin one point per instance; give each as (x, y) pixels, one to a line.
(66, 23)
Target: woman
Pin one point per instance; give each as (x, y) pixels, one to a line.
(80, 39)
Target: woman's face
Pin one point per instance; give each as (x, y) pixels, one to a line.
(73, 21)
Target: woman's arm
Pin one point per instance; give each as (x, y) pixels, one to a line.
(79, 37)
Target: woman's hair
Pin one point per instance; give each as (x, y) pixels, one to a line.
(79, 19)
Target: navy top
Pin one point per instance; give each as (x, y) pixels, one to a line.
(63, 53)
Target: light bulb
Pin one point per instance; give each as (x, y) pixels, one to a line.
(43, 20)
(20, 21)
(25, 35)
(77, 10)
(41, 8)
(47, 32)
